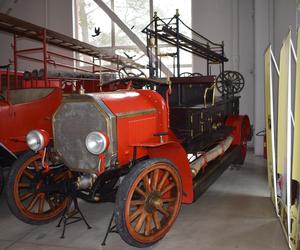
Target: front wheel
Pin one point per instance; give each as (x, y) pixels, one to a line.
(28, 194)
(148, 202)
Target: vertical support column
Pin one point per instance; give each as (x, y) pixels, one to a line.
(45, 57)
(177, 43)
(156, 44)
(207, 61)
(222, 68)
(15, 66)
(149, 54)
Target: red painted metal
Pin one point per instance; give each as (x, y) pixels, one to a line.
(17, 120)
(143, 116)
(241, 132)
(174, 152)
(138, 122)
(46, 136)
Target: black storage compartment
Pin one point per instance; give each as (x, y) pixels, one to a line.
(188, 91)
(190, 122)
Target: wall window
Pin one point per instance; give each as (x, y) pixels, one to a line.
(89, 17)
(136, 14)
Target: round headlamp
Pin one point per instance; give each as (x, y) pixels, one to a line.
(96, 142)
(35, 140)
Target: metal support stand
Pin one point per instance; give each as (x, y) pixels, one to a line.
(110, 229)
(69, 215)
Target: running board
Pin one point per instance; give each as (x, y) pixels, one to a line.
(214, 169)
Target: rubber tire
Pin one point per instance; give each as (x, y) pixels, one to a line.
(9, 191)
(1, 180)
(122, 197)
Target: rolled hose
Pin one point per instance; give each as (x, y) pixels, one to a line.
(212, 154)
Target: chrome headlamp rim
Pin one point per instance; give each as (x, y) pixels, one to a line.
(37, 135)
(100, 136)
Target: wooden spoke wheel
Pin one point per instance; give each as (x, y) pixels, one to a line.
(1, 180)
(148, 202)
(230, 82)
(27, 194)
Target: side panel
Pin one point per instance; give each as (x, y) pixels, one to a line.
(132, 131)
(176, 154)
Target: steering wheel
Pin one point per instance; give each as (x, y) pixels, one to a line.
(188, 74)
(136, 83)
(66, 83)
(196, 74)
(131, 71)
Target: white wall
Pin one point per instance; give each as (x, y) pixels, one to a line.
(247, 28)
(263, 36)
(284, 18)
(230, 21)
(273, 18)
(53, 14)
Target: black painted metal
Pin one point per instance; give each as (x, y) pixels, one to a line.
(206, 140)
(169, 32)
(72, 213)
(110, 229)
(213, 170)
(230, 82)
(191, 122)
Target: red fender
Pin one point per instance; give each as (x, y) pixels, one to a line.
(241, 132)
(174, 152)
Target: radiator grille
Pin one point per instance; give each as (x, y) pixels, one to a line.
(72, 122)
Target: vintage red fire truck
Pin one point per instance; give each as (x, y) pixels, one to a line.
(130, 142)
(148, 145)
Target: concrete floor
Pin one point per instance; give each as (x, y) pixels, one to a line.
(235, 213)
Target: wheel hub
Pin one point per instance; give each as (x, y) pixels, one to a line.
(153, 202)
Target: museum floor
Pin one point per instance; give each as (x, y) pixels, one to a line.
(235, 213)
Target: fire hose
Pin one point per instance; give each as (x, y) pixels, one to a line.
(212, 154)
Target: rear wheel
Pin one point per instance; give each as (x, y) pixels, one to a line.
(241, 133)
(148, 202)
(27, 194)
